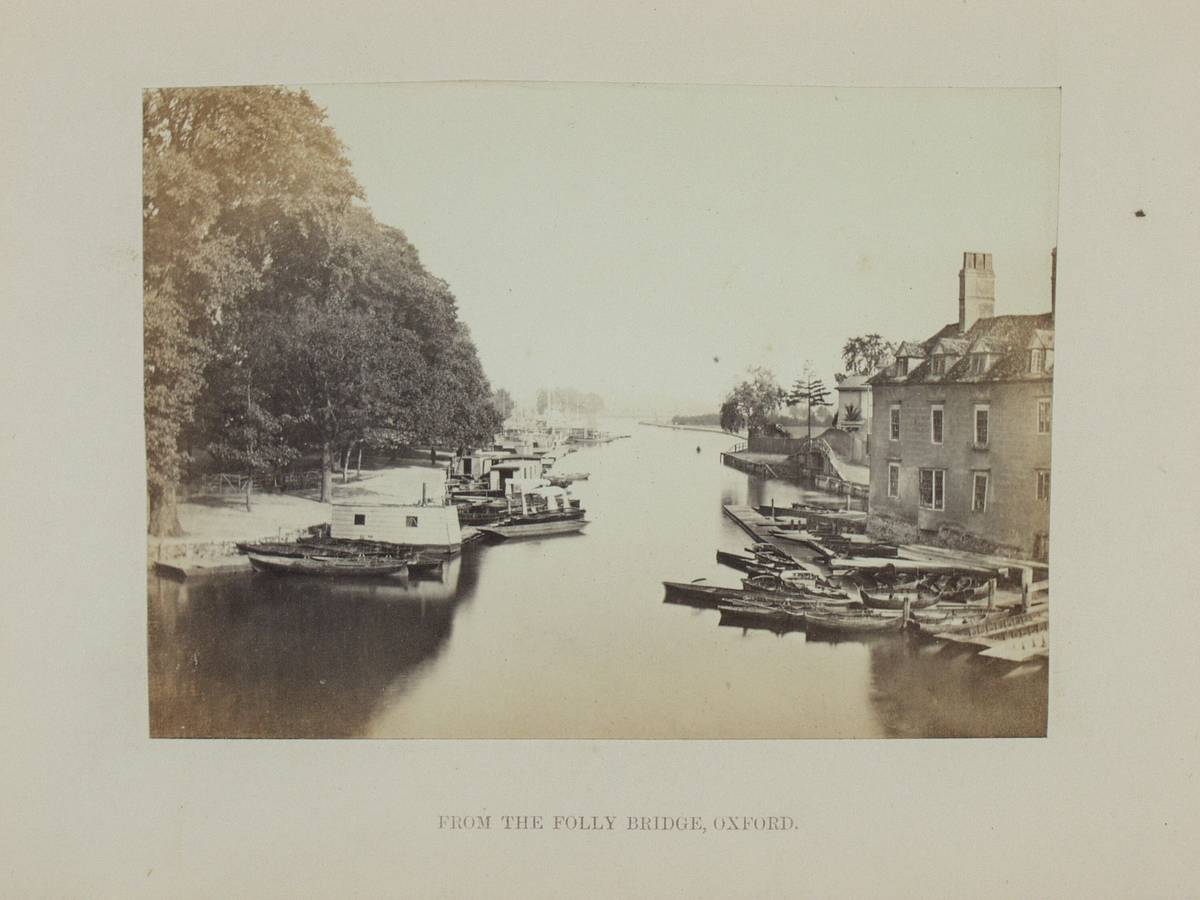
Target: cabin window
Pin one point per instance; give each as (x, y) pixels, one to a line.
(410, 521)
(932, 483)
(936, 418)
(360, 518)
(982, 425)
(1043, 417)
(979, 492)
(1043, 485)
(893, 479)
(1037, 360)
(894, 413)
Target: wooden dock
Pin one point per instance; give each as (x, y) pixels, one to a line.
(762, 529)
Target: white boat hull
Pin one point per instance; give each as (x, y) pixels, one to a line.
(536, 529)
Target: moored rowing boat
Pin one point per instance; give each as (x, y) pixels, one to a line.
(340, 567)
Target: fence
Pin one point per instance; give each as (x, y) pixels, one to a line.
(279, 482)
(781, 445)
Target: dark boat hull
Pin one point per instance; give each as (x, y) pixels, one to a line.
(712, 596)
(327, 567)
(837, 623)
(754, 616)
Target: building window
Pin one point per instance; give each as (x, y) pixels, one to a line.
(1043, 485)
(1043, 417)
(936, 418)
(979, 493)
(937, 365)
(902, 365)
(1037, 360)
(410, 521)
(933, 488)
(981, 426)
(894, 414)
(360, 519)
(893, 479)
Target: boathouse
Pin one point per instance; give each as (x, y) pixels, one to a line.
(426, 527)
(961, 429)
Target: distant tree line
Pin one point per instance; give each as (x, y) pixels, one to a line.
(280, 317)
(710, 420)
(569, 400)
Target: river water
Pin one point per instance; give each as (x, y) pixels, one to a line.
(563, 637)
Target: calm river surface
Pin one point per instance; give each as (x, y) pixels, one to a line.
(564, 637)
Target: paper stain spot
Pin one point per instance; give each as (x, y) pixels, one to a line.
(1141, 214)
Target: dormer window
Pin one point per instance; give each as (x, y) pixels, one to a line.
(1037, 360)
(979, 363)
(902, 366)
(937, 365)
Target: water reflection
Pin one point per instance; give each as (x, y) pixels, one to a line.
(927, 688)
(564, 637)
(266, 656)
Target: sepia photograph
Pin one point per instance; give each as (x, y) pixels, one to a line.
(510, 410)
(550, 450)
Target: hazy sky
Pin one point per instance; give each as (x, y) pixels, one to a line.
(655, 240)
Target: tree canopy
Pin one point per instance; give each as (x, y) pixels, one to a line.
(280, 317)
(864, 355)
(809, 390)
(753, 402)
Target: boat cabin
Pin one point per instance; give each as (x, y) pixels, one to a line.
(513, 468)
(426, 527)
(477, 464)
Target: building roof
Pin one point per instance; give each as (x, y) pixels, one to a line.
(911, 349)
(1009, 337)
(854, 383)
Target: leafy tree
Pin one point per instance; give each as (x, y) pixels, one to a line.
(810, 391)
(280, 317)
(503, 402)
(864, 355)
(235, 181)
(732, 419)
(753, 402)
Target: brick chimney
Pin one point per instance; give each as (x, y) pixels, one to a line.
(976, 290)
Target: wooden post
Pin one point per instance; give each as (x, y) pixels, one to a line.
(907, 602)
(991, 593)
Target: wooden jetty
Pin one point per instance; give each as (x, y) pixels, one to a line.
(761, 528)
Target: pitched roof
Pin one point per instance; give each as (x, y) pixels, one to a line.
(951, 346)
(1006, 336)
(910, 349)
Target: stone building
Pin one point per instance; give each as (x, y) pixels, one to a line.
(961, 431)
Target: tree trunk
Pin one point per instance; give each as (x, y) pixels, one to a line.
(346, 464)
(164, 513)
(358, 468)
(326, 473)
(249, 488)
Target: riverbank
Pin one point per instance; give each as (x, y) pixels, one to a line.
(732, 434)
(214, 524)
